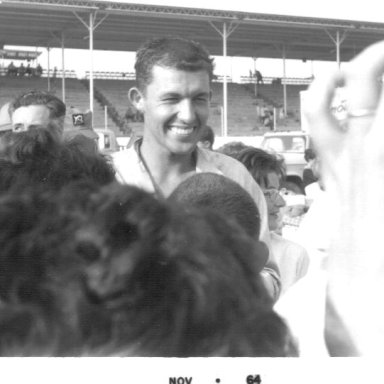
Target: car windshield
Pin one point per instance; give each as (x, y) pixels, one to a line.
(285, 144)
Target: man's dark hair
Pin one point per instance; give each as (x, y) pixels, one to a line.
(171, 52)
(260, 163)
(36, 97)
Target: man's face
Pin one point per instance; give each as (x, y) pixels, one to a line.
(25, 118)
(176, 108)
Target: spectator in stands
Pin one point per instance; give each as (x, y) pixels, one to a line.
(269, 171)
(12, 70)
(207, 139)
(268, 120)
(21, 70)
(38, 71)
(129, 276)
(37, 108)
(173, 92)
(259, 77)
(28, 70)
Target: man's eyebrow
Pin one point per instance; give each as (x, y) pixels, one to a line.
(203, 94)
(170, 94)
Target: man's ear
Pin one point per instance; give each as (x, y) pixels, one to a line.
(136, 98)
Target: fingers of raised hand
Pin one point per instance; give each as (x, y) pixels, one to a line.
(324, 127)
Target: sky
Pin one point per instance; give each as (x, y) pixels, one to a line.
(338, 9)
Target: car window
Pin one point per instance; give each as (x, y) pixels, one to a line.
(285, 144)
(274, 144)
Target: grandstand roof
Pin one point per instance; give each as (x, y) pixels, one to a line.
(123, 26)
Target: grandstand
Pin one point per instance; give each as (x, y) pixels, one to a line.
(243, 119)
(41, 23)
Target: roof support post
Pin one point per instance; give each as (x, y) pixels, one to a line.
(338, 40)
(225, 88)
(255, 77)
(91, 26)
(62, 68)
(284, 83)
(225, 33)
(48, 70)
(91, 20)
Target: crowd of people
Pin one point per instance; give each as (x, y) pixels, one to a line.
(172, 249)
(22, 70)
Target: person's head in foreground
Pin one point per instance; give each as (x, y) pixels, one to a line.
(36, 157)
(123, 274)
(37, 108)
(173, 92)
(232, 148)
(217, 192)
(268, 170)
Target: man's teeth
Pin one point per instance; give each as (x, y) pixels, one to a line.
(182, 131)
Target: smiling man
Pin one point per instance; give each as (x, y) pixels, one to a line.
(173, 92)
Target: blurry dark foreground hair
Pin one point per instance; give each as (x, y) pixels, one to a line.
(120, 273)
(36, 157)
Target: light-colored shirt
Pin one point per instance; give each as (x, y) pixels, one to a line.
(130, 170)
(292, 260)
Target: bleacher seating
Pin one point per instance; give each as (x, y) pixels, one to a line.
(242, 113)
(243, 119)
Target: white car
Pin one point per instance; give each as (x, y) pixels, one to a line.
(291, 145)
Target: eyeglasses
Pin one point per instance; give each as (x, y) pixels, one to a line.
(273, 193)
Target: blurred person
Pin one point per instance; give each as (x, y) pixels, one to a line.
(80, 129)
(11, 69)
(259, 77)
(173, 92)
(36, 157)
(352, 171)
(207, 139)
(130, 276)
(308, 174)
(313, 186)
(21, 70)
(37, 108)
(28, 70)
(5, 120)
(232, 148)
(269, 170)
(38, 71)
